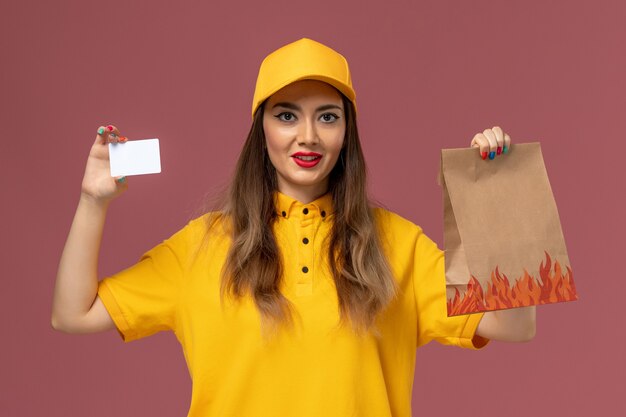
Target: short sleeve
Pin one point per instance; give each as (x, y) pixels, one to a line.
(143, 299)
(429, 285)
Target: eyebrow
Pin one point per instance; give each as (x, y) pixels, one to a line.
(293, 106)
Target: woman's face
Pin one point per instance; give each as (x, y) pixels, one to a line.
(304, 127)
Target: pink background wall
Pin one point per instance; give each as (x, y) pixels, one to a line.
(428, 75)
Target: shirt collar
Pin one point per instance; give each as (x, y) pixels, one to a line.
(287, 206)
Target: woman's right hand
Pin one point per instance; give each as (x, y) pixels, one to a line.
(98, 184)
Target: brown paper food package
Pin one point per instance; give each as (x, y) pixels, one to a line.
(503, 243)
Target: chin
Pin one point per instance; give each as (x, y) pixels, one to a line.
(304, 182)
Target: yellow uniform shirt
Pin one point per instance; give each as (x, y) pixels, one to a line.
(319, 368)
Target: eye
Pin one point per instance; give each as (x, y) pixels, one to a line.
(288, 116)
(329, 117)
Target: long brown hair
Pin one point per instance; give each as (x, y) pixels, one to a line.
(362, 276)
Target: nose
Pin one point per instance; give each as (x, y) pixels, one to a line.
(308, 132)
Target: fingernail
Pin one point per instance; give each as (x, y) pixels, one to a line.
(101, 131)
(123, 138)
(484, 155)
(110, 128)
(121, 179)
(499, 150)
(492, 155)
(505, 149)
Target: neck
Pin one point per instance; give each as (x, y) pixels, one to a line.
(304, 194)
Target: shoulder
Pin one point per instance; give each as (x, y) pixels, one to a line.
(396, 231)
(392, 223)
(197, 230)
(211, 224)
(403, 241)
(202, 234)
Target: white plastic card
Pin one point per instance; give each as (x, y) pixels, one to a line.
(135, 157)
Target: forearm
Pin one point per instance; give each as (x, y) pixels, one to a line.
(77, 277)
(511, 325)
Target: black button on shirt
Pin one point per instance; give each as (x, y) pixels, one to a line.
(305, 211)
(305, 240)
(305, 269)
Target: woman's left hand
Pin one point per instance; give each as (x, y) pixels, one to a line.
(491, 142)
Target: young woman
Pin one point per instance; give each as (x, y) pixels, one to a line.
(296, 296)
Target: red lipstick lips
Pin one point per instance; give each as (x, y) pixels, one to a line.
(306, 159)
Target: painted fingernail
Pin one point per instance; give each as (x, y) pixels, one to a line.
(499, 150)
(123, 138)
(110, 128)
(121, 179)
(484, 155)
(101, 131)
(505, 149)
(492, 155)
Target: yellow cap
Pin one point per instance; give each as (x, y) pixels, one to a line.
(300, 60)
